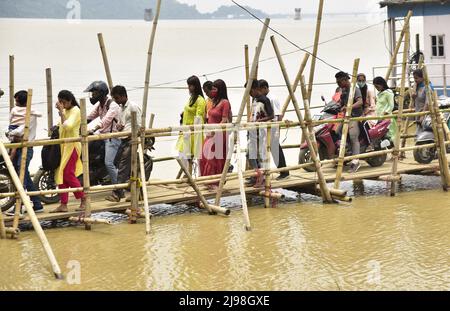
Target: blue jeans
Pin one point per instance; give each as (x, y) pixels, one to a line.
(28, 183)
(111, 147)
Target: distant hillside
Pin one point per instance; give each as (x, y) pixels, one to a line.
(113, 9)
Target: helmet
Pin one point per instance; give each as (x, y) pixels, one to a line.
(100, 87)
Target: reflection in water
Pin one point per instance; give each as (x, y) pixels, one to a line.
(377, 242)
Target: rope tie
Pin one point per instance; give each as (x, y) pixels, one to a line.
(137, 180)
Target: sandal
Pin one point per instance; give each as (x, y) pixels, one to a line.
(82, 207)
(113, 198)
(60, 209)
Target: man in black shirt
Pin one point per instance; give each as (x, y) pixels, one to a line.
(343, 81)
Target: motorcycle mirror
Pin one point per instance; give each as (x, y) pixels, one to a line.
(323, 98)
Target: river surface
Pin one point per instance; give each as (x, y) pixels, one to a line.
(374, 243)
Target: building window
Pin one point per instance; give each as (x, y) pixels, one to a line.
(437, 46)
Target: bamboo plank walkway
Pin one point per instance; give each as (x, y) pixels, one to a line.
(300, 179)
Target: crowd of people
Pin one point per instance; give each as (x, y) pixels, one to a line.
(207, 104)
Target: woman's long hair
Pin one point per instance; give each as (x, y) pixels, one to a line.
(195, 82)
(382, 82)
(68, 95)
(221, 91)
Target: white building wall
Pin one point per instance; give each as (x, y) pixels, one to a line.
(437, 25)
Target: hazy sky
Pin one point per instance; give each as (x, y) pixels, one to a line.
(287, 6)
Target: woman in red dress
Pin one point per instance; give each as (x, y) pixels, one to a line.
(215, 146)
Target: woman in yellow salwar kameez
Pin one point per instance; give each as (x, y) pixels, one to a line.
(190, 145)
(70, 167)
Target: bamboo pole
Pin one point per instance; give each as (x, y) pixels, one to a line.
(241, 185)
(48, 79)
(257, 63)
(11, 82)
(149, 62)
(151, 121)
(295, 85)
(348, 115)
(2, 227)
(247, 74)
(267, 182)
(316, 46)
(440, 128)
(85, 161)
(396, 154)
(194, 186)
(134, 168)
(170, 131)
(105, 60)
(442, 157)
(323, 185)
(271, 195)
(397, 47)
(26, 201)
(242, 107)
(437, 127)
(23, 159)
(308, 117)
(85, 220)
(144, 189)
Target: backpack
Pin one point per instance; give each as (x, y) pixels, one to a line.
(51, 154)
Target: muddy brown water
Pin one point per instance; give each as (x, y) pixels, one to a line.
(374, 243)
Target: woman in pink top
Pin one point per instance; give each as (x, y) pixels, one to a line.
(215, 147)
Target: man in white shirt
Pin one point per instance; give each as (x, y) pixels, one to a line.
(15, 134)
(275, 147)
(123, 157)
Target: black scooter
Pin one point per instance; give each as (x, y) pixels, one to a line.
(98, 174)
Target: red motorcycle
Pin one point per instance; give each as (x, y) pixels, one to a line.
(328, 141)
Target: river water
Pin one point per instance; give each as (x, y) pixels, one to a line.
(374, 243)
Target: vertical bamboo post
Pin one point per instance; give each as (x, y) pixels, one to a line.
(308, 117)
(257, 64)
(247, 74)
(11, 82)
(316, 46)
(144, 189)
(134, 169)
(295, 85)
(323, 185)
(149, 63)
(23, 159)
(194, 186)
(105, 60)
(437, 128)
(348, 115)
(151, 120)
(411, 104)
(396, 153)
(85, 161)
(267, 181)
(241, 184)
(441, 136)
(241, 109)
(34, 220)
(48, 79)
(2, 227)
(144, 178)
(397, 47)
